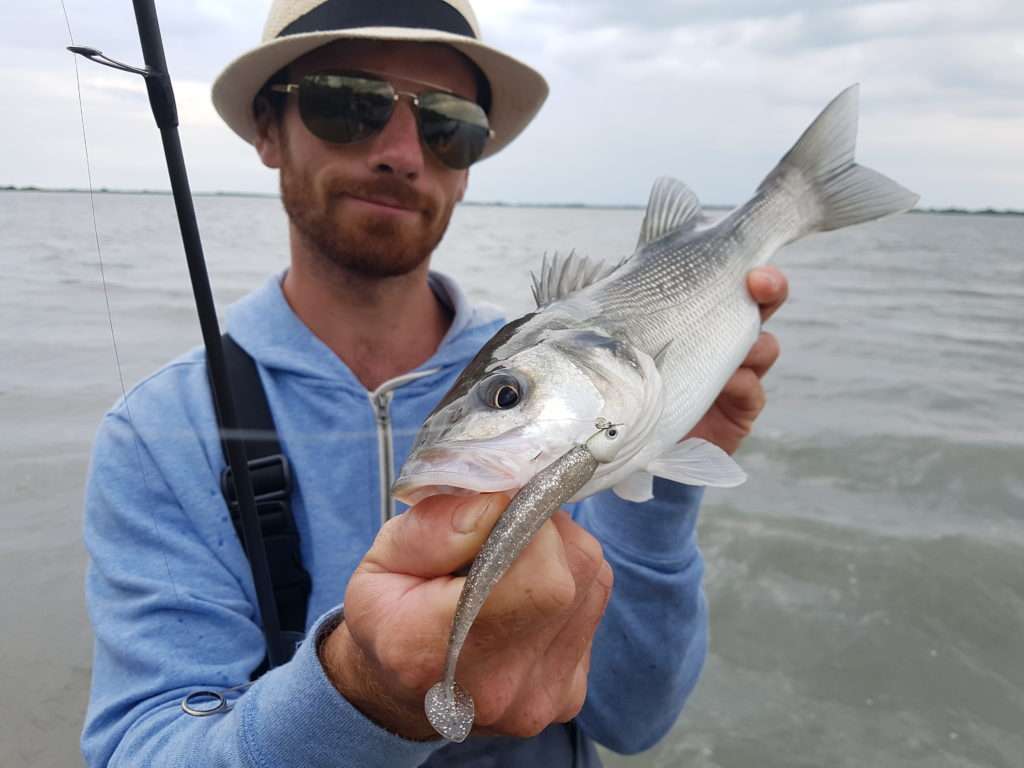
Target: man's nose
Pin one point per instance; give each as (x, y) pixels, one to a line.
(397, 149)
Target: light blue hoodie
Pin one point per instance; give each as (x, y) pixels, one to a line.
(173, 607)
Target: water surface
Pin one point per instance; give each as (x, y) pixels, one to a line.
(866, 585)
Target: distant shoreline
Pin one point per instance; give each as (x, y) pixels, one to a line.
(481, 203)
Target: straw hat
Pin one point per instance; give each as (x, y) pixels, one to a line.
(296, 27)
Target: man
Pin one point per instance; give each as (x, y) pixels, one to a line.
(557, 659)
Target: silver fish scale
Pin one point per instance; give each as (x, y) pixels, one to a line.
(685, 298)
(686, 301)
(662, 278)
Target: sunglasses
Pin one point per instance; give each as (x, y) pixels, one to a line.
(346, 107)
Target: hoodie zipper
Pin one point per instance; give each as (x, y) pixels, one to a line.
(380, 401)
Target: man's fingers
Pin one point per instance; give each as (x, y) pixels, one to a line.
(436, 537)
(538, 586)
(553, 573)
(550, 684)
(577, 633)
(567, 661)
(583, 552)
(400, 600)
(769, 288)
(526, 657)
(743, 395)
(763, 354)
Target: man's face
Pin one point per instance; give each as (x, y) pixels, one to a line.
(380, 206)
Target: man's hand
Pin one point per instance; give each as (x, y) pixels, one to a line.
(732, 415)
(527, 657)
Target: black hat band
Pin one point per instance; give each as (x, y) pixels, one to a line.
(353, 14)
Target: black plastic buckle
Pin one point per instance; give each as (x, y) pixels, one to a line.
(271, 478)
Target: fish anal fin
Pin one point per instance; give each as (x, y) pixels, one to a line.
(672, 206)
(698, 462)
(638, 487)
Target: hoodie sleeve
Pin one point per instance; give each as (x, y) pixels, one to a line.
(651, 644)
(170, 617)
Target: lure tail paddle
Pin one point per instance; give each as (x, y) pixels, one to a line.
(450, 710)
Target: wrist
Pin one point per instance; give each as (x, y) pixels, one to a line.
(356, 678)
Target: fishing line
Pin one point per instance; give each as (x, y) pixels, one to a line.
(136, 439)
(95, 226)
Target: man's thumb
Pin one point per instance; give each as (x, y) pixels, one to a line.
(436, 537)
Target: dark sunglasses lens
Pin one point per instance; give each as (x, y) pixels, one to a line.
(343, 108)
(455, 129)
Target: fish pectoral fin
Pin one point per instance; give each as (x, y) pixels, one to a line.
(672, 206)
(698, 462)
(662, 355)
(637, 487)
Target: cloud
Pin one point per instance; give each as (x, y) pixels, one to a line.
(674, 14)
(710, 91)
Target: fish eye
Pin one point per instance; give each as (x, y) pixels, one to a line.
(501, 392)
(612, 432)
(507, 396)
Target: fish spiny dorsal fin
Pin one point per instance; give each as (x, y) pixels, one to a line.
(566, 281)
(672, 206)
(561, 276)
(535, 283)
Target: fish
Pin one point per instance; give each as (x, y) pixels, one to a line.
(645, 344)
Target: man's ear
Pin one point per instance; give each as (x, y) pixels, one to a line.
(460, 191)
(268, 133)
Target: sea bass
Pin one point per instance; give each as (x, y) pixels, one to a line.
(642, 347)
(648, 343)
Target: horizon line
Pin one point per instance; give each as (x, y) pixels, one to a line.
(481, 203)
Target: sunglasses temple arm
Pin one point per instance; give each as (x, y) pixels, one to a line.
(161, 99)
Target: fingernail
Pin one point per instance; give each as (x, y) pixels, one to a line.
(468, 513)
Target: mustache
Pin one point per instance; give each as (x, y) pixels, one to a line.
(387, 188)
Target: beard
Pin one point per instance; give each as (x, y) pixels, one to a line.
(368, 246)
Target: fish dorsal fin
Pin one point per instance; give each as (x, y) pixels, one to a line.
(561, 276)
(672, 206)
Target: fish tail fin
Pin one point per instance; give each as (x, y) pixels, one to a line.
(828, 188)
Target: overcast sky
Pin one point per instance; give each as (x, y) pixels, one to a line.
(710, 91)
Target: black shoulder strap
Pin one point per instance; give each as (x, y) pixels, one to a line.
(272, 486)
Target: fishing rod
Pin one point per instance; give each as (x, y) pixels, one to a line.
(161, 101)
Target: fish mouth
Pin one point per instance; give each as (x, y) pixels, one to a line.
(458, 469)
